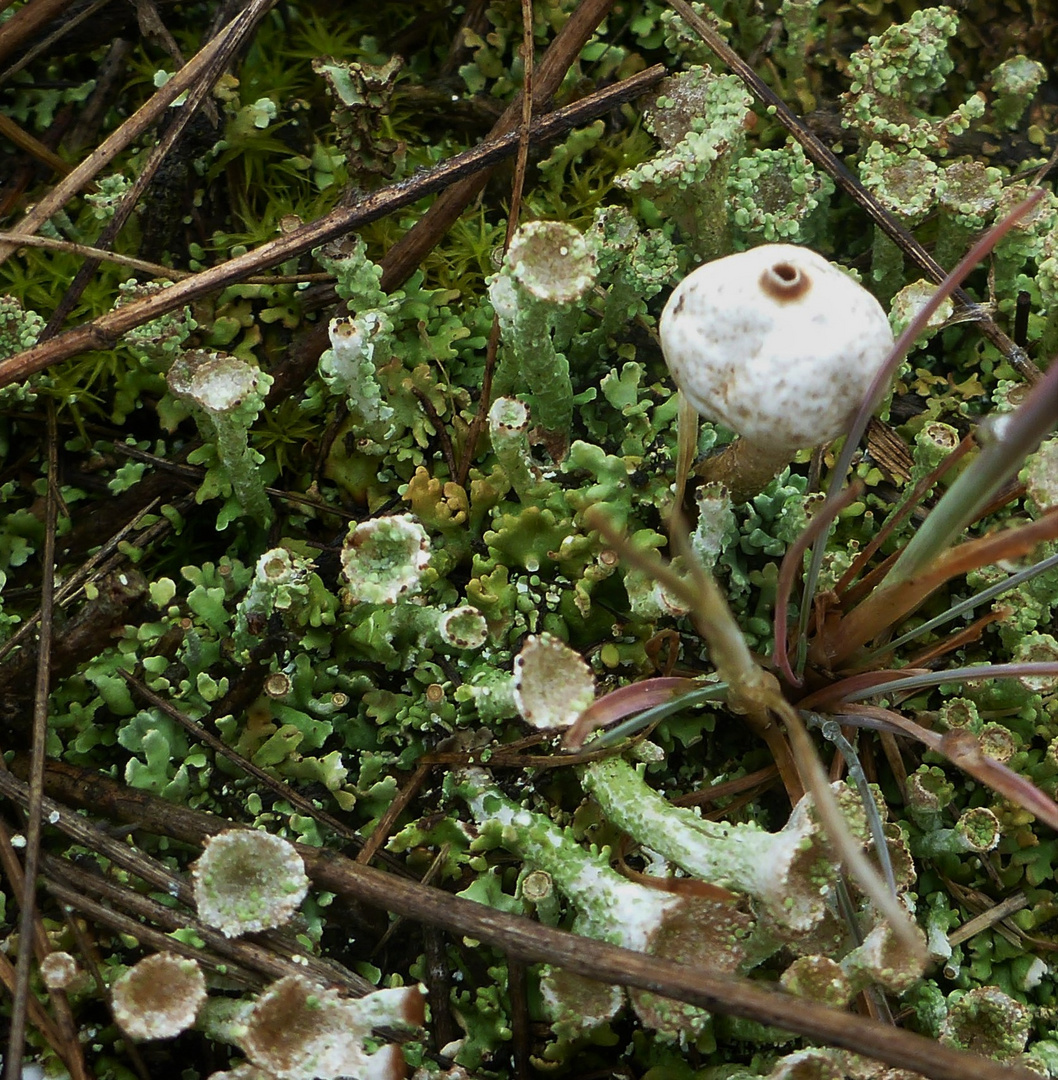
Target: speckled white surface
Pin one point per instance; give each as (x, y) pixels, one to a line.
(784, 373)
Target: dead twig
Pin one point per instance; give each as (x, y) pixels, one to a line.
(232, 39)
(16, 1042)
(26, 23)
(406, 254)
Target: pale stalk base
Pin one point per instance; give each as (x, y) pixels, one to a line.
(744, 468)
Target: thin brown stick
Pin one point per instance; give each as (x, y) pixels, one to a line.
(754, 782)
(1004, 909)
(88, 251)
(38, 1017)
(32, 146)
(438, 425)
(972, 633)
(438, 979)
(380, 833)
(26, 23)
(517, 990)
(477, 425)
(42, 45)
(101, 333)
(271, 955)
(16, 1043)
(821, 154)
(76, 581)
(65, 1041)
(522, 158)
(234, 37)
(107, 82)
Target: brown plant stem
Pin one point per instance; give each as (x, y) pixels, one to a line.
(61, 1032)
(743, 467)
(27, 22)
(750, 688)
(32, 146)
(886, 607)
(27, 902)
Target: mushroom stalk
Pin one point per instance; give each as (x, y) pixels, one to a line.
(743, 467)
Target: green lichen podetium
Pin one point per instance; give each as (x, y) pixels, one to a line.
(700, 120)
(225, 395)
(609, 908)
(548, 268)
(359, 346)
(1015, 83)
(897, 69)
(786, 872)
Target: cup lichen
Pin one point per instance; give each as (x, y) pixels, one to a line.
(245, 881)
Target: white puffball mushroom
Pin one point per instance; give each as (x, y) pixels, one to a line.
(777, 344)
